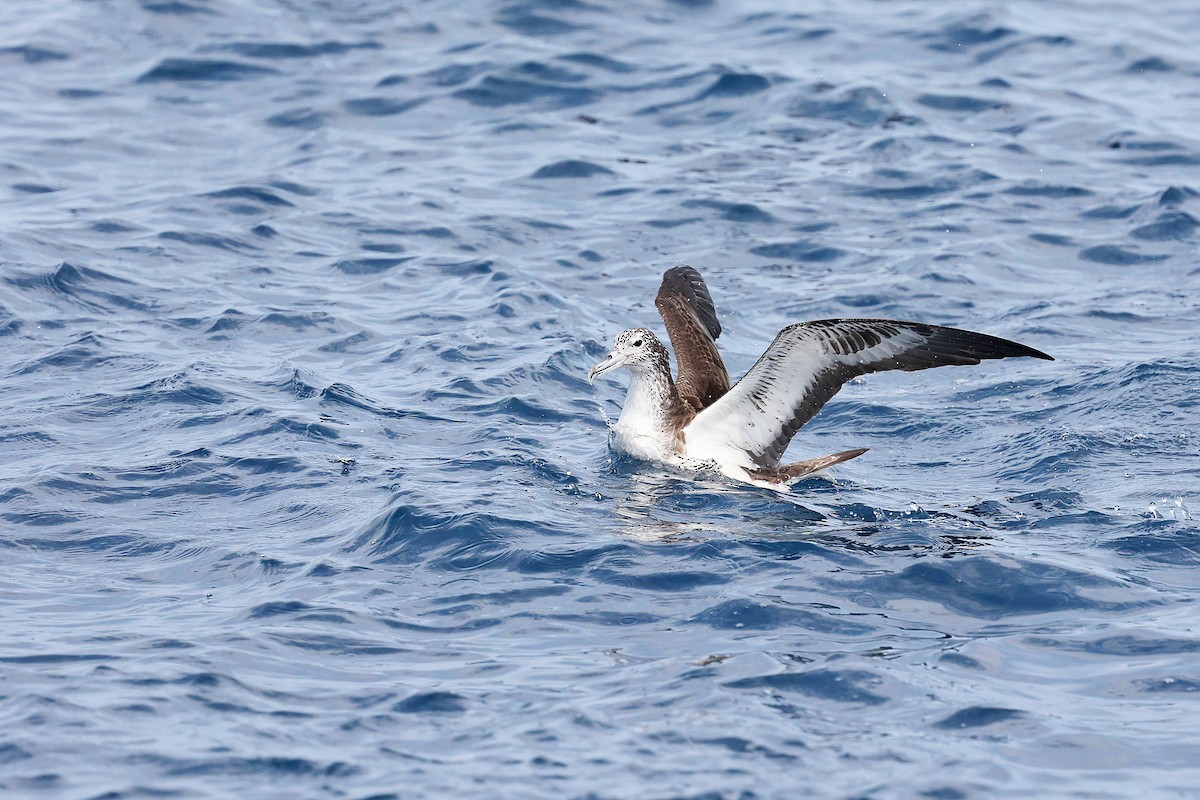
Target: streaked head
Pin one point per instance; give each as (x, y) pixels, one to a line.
(637, 348)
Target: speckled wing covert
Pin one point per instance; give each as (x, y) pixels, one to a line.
(691, 319)
(808, 363)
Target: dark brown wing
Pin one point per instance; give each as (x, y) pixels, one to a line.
(691, 320)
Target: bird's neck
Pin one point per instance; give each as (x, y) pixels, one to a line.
(652, 416)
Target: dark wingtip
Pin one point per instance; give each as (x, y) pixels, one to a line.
(688, 282)
(983, 345)
(1031, 352)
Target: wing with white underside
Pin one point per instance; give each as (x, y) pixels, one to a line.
(807, 364)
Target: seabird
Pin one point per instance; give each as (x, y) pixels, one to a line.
(702, 421)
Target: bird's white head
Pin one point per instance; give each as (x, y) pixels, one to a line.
(638, 349)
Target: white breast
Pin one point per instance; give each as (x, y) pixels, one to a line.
(643, 430)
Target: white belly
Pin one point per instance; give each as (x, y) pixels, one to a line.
(643, 444)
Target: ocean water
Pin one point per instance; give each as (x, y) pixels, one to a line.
(304, 494)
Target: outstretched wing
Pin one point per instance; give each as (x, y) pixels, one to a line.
(691, 320)
(808, 363)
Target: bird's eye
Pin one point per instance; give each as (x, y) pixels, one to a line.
(637, 342)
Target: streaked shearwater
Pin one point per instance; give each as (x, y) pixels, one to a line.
(701, 421)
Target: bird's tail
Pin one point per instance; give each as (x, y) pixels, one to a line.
(790, 473)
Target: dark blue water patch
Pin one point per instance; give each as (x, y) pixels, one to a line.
(279, 608)
(1151, 64)
(56, 658)
(1025, 43)
(541, 71)
(976, 30)
(523, 19)
(193, 70)
(299, 321)
(962, 103)
(109, 226)
(453, 74)
(861, 106)
(267, 465)
(842, 686)
(275, 767)
(176, 389)
(43, 519)
(86, 352)
(255, 194)
(1173, 225)
(977, 717)
(31, 54)
(741, 747)
(864, 301)
(91, 288)
(802, 250)
(1145, 145)
(450, 541)
(607, 619)
(597, 61)
(948, 278)
(431, 703)
(1124, 645)
(228, 320)
(504, 597)
(346, 343)
(1161, 542)
(174, 7)
(286, 50)
(1110, 212)
(981, 587)
(571, 168)
(1189, 686)
(734, 212)
(736, 84)
(383, 247)
(494, 92)
(381, 106)
(919, 187)
(1056, 239)
(761, 616)
(11, 753)
(302, 429)
(1165, 160)
(792, 549)
(305, 119)
(672, 223)
(209, 240)
(294, 188)
(1174, 195)
(673, 581)
(34, 188)
(368, 266)
(341, 394)
(576, 560)
(337, 645)
(465, 269)
(1116, 256)
(1033, 189)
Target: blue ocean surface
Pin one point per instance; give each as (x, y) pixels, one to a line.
(304, 492)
